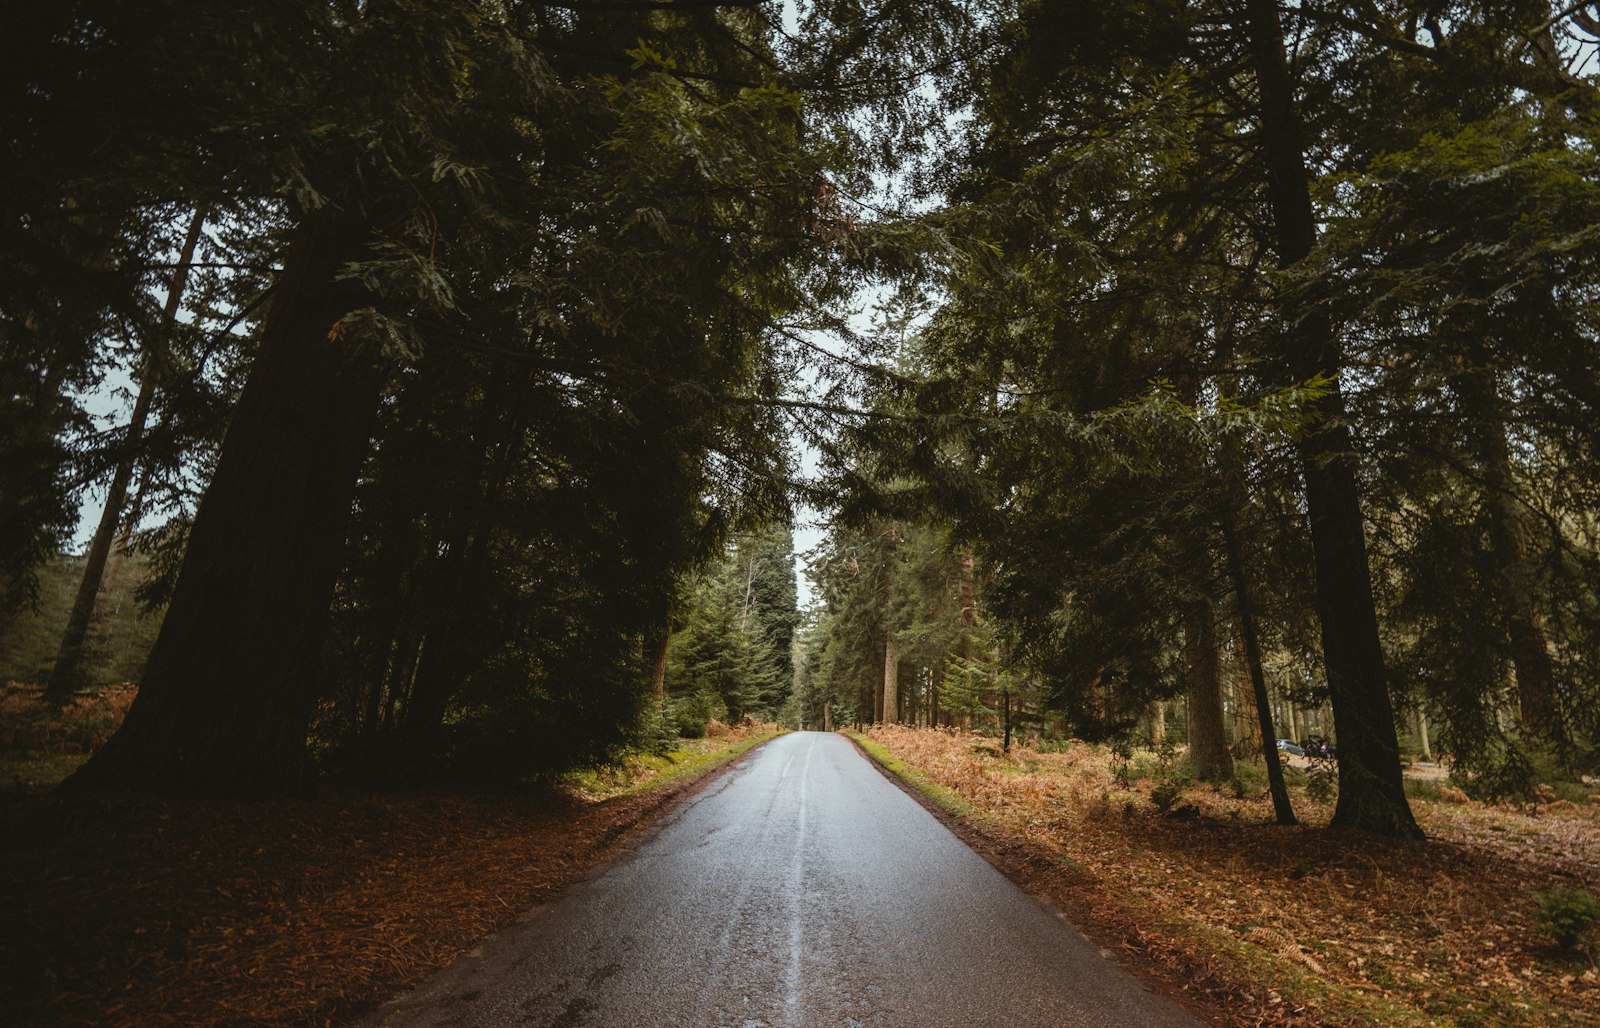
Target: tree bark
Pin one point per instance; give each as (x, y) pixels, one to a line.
(1371, 793)
(1208, 742)
(1281, 807)
(658, 646)
(891, 678)
(1005, 709)
(227, 693)
(1241, 679)
(64, 677)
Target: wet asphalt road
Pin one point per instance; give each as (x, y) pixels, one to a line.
(800, 889)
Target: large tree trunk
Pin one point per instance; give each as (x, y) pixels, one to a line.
(64, 677)
(1371, 794)
(227, 693)
(1208, 741)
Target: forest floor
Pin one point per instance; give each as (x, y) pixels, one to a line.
(131, 910)
(1270, 925)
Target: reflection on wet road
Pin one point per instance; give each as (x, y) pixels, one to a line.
(800, 889)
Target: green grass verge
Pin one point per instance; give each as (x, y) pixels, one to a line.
(34, 771)
(948, 799)
(644, 772)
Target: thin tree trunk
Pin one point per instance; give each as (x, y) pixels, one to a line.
(1281, 807)
(1158, 724)
(1422, 734)
(1208, 742)
(1005, 708)
(227, 692)
(1247, 735)
(64, 676)
(402, 679)
(124, 540)
(891, 678)
(1371, 792)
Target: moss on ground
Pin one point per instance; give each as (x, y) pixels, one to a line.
(645, 771)
(33, 771)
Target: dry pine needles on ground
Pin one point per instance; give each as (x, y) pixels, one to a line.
(141, 911)
(1301, 923)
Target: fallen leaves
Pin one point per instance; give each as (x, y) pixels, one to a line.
(1341, 928)
(138, 911)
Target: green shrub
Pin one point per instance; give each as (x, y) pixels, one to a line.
(1572, 792)
(1166, 794)
(688, 715)
(657, 730)
(1423, 789)
(1122, 764)
(1568, 913)
(1322, 780)
(1501, 774)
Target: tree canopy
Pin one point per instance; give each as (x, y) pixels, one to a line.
(472, 348)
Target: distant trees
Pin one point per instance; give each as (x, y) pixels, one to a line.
(731, 655)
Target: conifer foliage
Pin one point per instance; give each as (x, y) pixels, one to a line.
(1265, 321)
(1235, 373)
(521, 267)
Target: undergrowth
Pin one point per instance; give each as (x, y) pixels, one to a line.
(688, 759)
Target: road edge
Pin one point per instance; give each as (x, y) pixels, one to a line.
(653, 806)
(1166, 970)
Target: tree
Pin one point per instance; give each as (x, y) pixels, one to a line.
(64, 675)
(400, 230)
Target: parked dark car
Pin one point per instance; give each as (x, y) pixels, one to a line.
(1317, 746)
(1291, 747)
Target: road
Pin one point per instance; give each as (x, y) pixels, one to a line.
(800, 889)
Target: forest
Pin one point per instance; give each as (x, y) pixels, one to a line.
(404, 393)
(460, 359)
